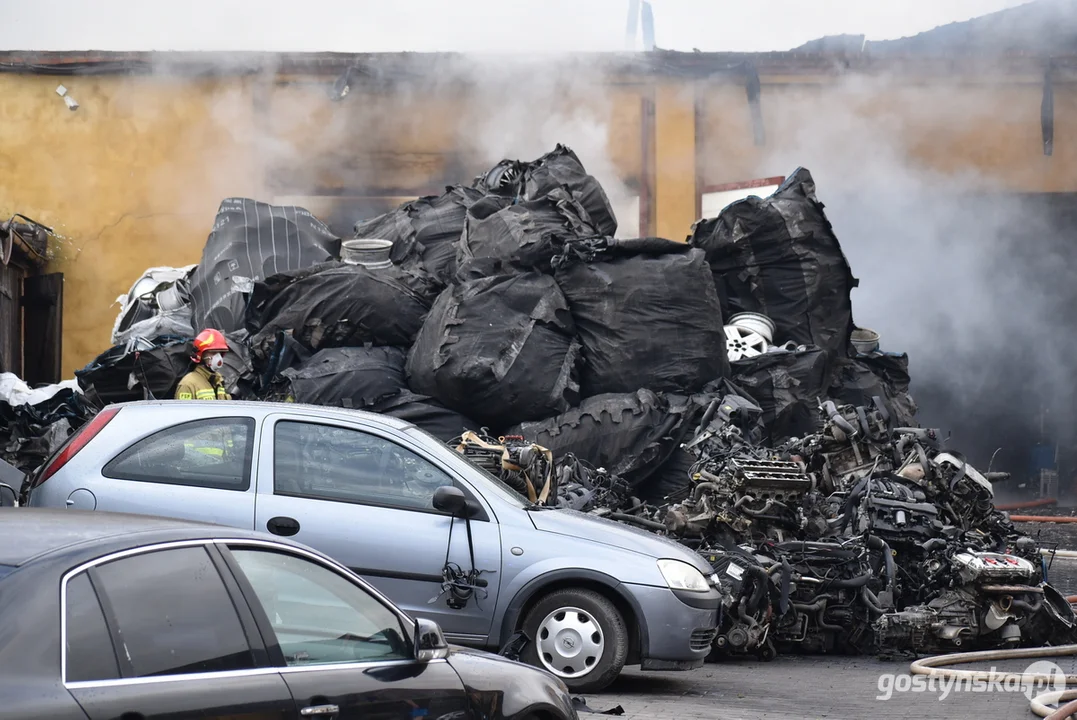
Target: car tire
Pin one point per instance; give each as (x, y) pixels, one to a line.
(579, 636)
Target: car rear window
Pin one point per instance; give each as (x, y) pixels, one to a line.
(214, 453)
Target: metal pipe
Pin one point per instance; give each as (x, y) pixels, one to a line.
(697, 492)
(642, 522)
(745, 616)
(871, 601)
(1031, 608)
(855, 582)
(832, 412)
(762, 579)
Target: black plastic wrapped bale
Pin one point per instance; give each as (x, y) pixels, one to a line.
(647, 315)
(858, 382)
(629, 435)
(778, 256)
(333, 305)
(788, 386)
(120, 374)
(29, 434)
(559, 168)
(500, 349)
(348, 377)
(251, 241)
(893, 368)
(503, 238)
(427, 413)
(427, 228)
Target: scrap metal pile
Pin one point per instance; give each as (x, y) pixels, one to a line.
(716, 391)
(863, 536)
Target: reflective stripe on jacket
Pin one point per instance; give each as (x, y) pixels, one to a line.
(201, 384)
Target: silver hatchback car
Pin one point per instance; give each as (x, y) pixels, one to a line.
(441, 537)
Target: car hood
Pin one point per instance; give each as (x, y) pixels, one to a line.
(614, 534)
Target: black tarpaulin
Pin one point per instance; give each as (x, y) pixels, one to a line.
(426, 229)
(500, 349)
(646, 313)
(333, 305)
(29, 434)
(358, 377)
(500, 238)
(629, 434)
(251, 241)
(122, 374)
(426, 413)
(778, 256)
(858, 382)
(788, 386)
(559, 168)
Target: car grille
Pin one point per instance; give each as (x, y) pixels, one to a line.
(702, 639)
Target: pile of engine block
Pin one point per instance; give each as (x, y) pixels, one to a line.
(862, 537)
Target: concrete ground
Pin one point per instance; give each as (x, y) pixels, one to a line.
(802, 688)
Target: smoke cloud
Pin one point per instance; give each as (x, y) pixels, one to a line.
(968, 277)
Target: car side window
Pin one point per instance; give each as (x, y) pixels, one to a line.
(214, 453)
(90, 655)
(318, 616)
(173, 614)
(336, 463)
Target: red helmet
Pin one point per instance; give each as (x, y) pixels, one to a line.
(209, 339)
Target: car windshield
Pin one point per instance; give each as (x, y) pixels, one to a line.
(451, 456)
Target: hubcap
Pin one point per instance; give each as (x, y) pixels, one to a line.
(570, 642)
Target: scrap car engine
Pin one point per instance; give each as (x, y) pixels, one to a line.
(857, 538)
(990, 598)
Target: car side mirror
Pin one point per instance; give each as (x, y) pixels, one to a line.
(430, 643)
(450, 499)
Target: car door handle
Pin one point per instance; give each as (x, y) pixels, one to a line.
(284, 526)
(317, 710)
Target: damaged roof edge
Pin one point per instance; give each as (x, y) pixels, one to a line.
(402, 65)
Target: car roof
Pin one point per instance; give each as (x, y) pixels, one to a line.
(266, 408)
(30, 533)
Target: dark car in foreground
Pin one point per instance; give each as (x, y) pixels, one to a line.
(107, 615)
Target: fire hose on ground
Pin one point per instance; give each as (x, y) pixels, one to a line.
(935, 667)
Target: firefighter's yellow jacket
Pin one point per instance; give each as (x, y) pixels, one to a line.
(202, 384)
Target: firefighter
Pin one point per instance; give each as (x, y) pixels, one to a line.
(205, 382)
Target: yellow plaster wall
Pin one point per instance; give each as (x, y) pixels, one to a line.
(132, 179)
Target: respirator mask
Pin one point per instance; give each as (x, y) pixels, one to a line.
(215, 362)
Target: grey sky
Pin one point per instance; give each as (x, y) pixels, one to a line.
(463, 25)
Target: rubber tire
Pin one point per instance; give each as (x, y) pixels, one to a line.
(614, 655)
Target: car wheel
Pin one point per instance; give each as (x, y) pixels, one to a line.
(579, 636)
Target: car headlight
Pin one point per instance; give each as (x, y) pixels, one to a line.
(682, 576)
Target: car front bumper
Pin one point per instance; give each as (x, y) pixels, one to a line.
(674, 635)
